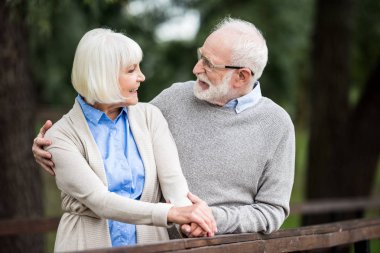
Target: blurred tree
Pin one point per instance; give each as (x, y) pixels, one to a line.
(57, 26)
(285, 25)
(20, 184)
(344, 145)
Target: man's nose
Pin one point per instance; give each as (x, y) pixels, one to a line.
(198, 68)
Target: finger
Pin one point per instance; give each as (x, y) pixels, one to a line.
(45, 127)
(41, 142)
(202, 212)
(41, 154)
(47, 169)
(206, 211)
(197, 231)
(193, 226)
(46, 162)
(209, 214)
(193, 198)
(186, 229)
(202, 223)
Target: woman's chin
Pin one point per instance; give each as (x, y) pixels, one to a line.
(132, 100)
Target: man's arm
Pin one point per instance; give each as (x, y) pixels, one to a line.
(271, 204)
(42, 157)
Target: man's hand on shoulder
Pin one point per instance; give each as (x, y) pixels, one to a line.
(42, 157)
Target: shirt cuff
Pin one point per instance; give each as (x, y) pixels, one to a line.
(160, 215)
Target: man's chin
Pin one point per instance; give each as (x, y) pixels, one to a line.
(199, 92)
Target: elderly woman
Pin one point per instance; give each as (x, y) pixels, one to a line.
(113, 155)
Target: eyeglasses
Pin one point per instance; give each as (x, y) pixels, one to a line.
(209, 66)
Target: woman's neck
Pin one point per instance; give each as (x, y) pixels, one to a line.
(111, 110)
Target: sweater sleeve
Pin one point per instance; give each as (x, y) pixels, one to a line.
(75, 177)
(172, 182)
(271, 204)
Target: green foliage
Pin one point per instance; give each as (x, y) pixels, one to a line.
(56, 27)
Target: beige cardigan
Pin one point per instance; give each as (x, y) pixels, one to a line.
(80, 175)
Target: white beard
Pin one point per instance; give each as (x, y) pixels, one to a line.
(215, 93)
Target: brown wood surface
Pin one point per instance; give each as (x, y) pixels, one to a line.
(335, 205)
(289, 240)
(28, 226)
(43, 225)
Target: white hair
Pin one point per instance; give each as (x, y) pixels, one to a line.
(98, 60)
(249, 48)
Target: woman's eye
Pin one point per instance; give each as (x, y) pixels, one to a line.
(131, 70)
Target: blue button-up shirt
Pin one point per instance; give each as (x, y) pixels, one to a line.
(122, 162)
(244, 102)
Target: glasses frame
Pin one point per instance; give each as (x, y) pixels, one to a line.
(208, 64)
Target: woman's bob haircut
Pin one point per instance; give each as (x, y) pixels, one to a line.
(98, 60)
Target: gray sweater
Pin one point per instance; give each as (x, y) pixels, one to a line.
(242, 164)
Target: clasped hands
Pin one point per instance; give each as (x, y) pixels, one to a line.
(196, 220)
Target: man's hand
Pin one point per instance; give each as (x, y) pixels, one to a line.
(193, 229)
(42, 157)
(199, 213)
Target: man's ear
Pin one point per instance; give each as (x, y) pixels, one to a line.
(243, 77)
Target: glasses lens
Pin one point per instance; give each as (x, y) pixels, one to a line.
(205, 62)
(199, 54)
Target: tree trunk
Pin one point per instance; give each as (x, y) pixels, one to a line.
(344, 144)
(329, 95)
(20, 183)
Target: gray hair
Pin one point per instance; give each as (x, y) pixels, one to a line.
(98, 60)
(249, 48)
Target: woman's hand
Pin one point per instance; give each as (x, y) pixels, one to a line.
(199, 213)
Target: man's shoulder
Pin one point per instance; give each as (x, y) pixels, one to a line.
(181, 86)
(275, 112)
(177, 92)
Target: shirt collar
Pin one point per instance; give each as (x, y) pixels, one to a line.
(247, 101)
(94, 115)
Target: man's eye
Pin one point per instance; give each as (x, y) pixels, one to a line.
(207, 63)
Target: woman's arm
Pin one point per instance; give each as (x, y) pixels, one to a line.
(75, 177)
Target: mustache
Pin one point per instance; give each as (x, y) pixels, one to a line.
(203, 79)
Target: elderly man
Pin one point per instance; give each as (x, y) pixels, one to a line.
(236, 147)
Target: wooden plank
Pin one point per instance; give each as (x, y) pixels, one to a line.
(43, 225)
(318, 241)
(304, 238)
(335, 205)
(28, 226)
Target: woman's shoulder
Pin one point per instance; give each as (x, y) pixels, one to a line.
(64, 128)
(147, 114)
(146, 108)
(59, 127)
